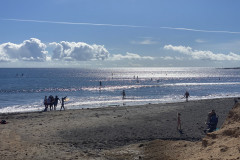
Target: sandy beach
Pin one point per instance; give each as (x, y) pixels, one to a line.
(104, 133)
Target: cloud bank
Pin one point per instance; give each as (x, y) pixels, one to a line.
(29, 50)
(144, 42)
(130, 56)
(78, 51)
(33, 50)
(203, 55)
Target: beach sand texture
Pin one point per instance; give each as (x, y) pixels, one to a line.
(126, 132)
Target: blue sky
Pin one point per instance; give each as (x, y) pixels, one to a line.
(126, 33)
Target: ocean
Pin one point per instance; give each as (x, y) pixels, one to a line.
(23, 89)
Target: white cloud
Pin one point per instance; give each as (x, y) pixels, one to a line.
(200, 41)
(130, 56)
(207, 55)
(3, 56)
(29, 50)
(144, 42)
(78, 51)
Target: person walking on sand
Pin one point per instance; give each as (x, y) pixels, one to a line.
(62, 106)
(179, 123)
(56, 99)
(186, 95)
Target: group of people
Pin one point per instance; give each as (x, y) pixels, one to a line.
(52, 102)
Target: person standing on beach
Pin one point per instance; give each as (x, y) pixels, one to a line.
(179, 123)
(62, 106)
(56, 99)
(186, 95)
(50, 102)
(45, 102)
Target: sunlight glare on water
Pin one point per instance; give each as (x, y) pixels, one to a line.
(142, 86)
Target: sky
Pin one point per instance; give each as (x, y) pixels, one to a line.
(119, 33)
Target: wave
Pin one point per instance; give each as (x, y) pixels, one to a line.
(113, 88)
(202, 84)
(41, 90)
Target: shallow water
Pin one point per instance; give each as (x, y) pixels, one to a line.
(24, 89)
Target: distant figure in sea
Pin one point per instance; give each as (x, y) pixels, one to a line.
(212, 121)
(123, 94)
(179, 123)
(45, 102)
(56, 99)
(62, 106)
(137, 80)
(186, 95)
(100, 84)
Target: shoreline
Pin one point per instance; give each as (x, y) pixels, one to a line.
(70, 107)
(91, 132)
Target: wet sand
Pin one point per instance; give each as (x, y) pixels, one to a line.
(94, 133)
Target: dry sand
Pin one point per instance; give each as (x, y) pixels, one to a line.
(223, 144)
(126, 132)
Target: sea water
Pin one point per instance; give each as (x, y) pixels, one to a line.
(23, 90)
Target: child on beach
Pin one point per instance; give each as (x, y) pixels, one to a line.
(179, 123)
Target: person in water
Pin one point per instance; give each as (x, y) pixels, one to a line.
(100, 85)
(123, 94)
(62, 106)
(56, 99)
(186, 95)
